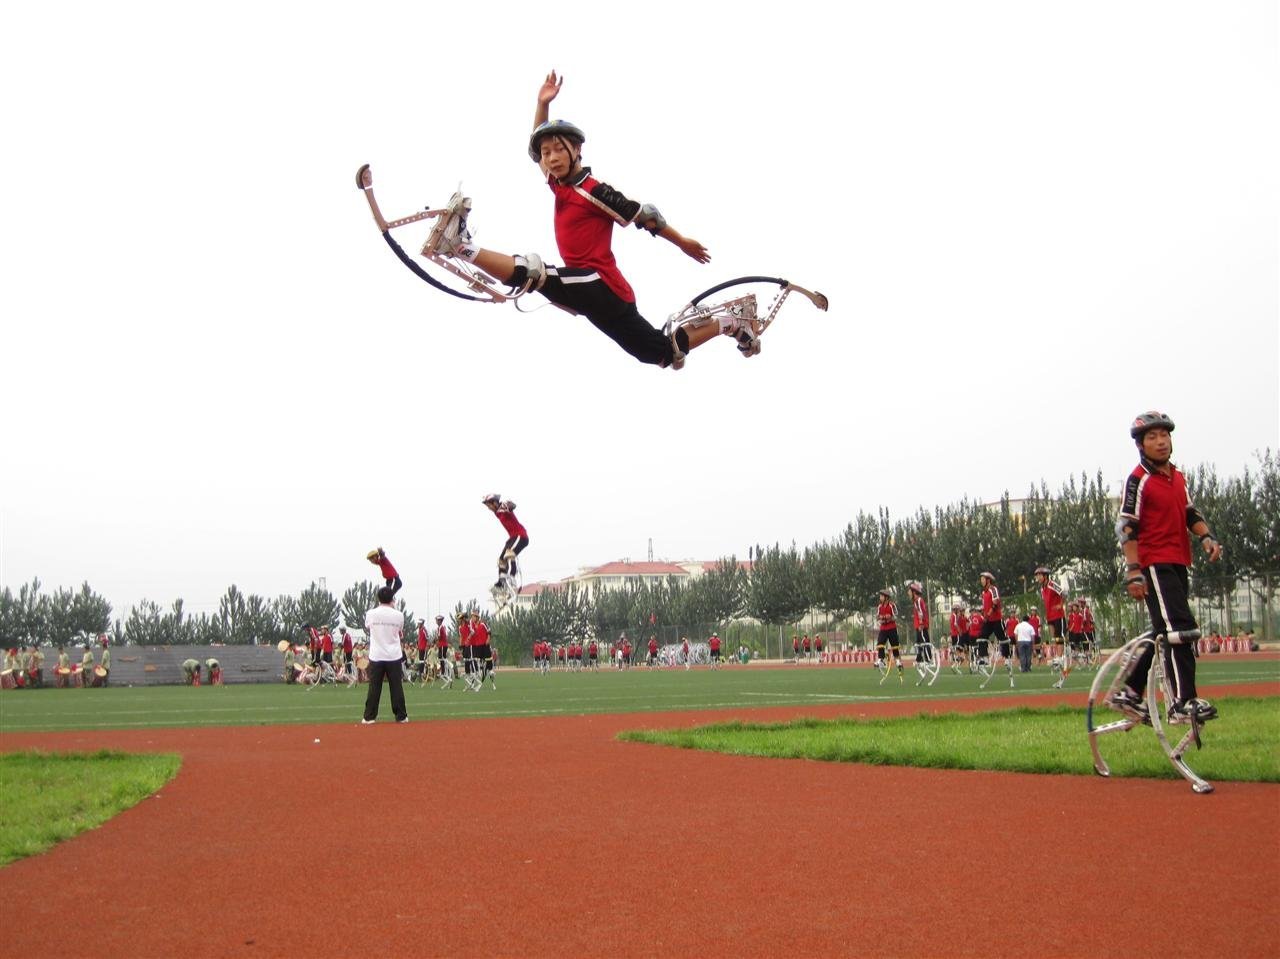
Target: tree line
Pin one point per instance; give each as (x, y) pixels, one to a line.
(1071, 531)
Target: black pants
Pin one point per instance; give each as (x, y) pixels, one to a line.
(395, 585)
(391, 670)
(1170, 616)
(514, 544)
(588, 295)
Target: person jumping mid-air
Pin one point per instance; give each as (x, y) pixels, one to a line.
(590, 282)
(517, 540)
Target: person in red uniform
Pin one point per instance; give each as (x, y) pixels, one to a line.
(464, 647)
(920, 622)
(422, 645)
(714, 643)
(347, 647)
(795, 647)
(378, 557)
(593, 655)
(326, 646)
(626, 652)
(1154, 527)
(1087, 625)
(684, 652)
(590, 282)
(482, 652)
(992, 615)
(653, 650)
(517, 539)
(1034, 619)
(805, 646)
(441, 638)
(976, 622)
(959, 633)
(1054, 613)
(817, 646)
(886, 616)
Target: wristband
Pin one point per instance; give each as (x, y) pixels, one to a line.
(1132, 567)
(1134, 579)
(1207, 536)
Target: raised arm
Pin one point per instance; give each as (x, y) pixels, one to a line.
(549, 90)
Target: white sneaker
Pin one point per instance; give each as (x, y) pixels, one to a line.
(450, 232)
(367, 722)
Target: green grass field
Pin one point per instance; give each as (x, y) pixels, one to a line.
(523, 693)
(1245, 749)
(49, 797)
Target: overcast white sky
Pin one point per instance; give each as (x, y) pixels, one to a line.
(1033, 220)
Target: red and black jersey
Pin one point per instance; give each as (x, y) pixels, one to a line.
(422, 638)
(959, 623)
(326, 642)
(480, 634)
(346, 644)
(991, 604)
(886, 614)
(442, 637)
(509, 522)
(585, 213)
(1051, 593)
(626, 648)
(1086, 620)
(1010, 625)
(975, 624)
(653, 647)
(593, 649)
(1160, 510)
(1034, 620)
(388, 571)
(1075, 623)
(715, 643)
(804, 642)
(919, 612)
(464, 634)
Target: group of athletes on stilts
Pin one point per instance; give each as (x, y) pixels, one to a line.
(1072, 643)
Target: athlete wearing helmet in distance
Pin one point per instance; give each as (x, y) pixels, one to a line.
(517, 536)
(585, 213)
(1155, 525)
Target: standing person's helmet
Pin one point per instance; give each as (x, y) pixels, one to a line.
(493, 499)
(915, 585)
(1043, 571)
(554, 128)
(508, 505)
(1149, 421)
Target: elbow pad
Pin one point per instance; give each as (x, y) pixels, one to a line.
(1126, 530)
(650, 212)
(1193, 517)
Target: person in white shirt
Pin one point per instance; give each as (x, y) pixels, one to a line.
(384, 625)
(1025, 633)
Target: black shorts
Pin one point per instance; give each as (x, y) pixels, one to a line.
(580, 290)
(1058, 626)
(481, 653)
(993, 627)
(922, 636)
(1076, 640)
(888, 636)
(715, 654)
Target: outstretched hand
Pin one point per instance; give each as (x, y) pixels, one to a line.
(693, 248)
(550, 88)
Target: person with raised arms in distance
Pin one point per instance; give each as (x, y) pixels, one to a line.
(384, 625)
(378, 557)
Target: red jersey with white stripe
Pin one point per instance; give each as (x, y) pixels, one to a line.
(975, 624)
(919, 612)
(1051, 593)
(585, 213)
(991, 605)
(480, 634)
(422, 638)
(1086, 620)
(1075, 623)
(1159, 507)
(958, 623)
(887, 614)
(653, 647)
(509, 522)
(464, 634)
